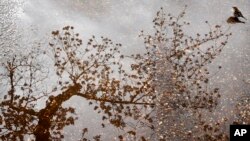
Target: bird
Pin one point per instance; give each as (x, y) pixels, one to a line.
(237, 13)
(233, 20)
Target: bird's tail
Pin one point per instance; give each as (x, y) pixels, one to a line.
(244, 18)
(242, 22)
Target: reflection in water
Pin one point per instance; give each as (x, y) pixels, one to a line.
(49, 98)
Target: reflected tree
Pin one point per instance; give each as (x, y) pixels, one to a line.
(94, 72)
(166, 89)
(185, 98)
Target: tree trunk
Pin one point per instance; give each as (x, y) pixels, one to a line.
(42, 132)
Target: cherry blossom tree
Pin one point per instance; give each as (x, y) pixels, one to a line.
(94, 73)
(181, 78)
(166, 89)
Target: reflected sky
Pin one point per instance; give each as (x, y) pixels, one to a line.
(123, 20)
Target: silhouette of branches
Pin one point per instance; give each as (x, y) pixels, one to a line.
(179, 65)
(166, 89)
(94, 73)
